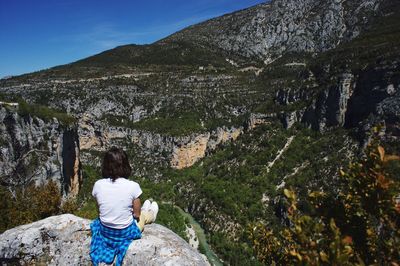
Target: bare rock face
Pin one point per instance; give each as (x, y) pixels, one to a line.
(65, 240)
(186, 155)
(34, 150)
(179, 151)
(328, 109)
(271, 29)
(187, 152)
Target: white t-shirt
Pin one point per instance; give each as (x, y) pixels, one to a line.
(115, 201)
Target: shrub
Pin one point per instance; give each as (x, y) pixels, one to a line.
(26, 205)
(70, 205)
(360, 225)
(43, 112)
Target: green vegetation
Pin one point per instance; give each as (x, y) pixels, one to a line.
(203, 245)
(357, 225)
(37, 110)
(28, 205)
(180, 124)
(127, 58)
(175, 53)
(44, 113)
(170, 217)
(230, 184)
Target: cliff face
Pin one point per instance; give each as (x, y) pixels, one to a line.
(355, 100)
(330, 106)
(161, 82)
(65, 240)
(178, 151)
(33, 150)
(72, 178)
(187, 153)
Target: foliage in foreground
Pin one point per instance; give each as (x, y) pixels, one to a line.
(360, 225)
(26, 205)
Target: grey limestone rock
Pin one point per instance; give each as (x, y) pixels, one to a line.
(34, 150)
(271, 29)
(65, 240)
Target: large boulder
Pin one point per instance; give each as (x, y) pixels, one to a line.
(65, 240)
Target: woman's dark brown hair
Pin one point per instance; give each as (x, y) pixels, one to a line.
(116, 164)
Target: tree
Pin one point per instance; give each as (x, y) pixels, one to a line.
(364, 227)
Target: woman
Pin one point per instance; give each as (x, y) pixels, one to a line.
(121, 216)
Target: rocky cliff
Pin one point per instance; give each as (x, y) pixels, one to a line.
(178, 151)
(65, 240)
(349, 100)
(35, 150)
(269, 30)
(186, 153)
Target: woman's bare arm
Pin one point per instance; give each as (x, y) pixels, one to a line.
(136, 206)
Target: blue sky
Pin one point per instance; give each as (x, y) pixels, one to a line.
(38, 34)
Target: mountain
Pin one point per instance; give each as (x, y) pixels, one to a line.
(220, 117)
(267, 31)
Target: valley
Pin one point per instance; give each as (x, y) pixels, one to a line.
(217, 119)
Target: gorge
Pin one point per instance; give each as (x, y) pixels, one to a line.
(218, 118)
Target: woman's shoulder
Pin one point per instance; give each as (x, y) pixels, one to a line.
(130, 182)
(101, 181)
(120, 181)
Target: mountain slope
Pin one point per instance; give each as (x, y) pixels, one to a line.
(269, 30)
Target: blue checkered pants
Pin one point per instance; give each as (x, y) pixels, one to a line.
(109, 242)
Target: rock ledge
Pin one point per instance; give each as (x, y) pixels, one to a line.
(65, 240)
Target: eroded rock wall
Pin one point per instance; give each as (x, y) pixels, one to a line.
(186, 154)
(34, 150)
(179, 151)
(354, 101)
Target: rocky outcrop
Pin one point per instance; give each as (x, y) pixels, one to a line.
(36, 151)
(330, 106)
(185, 154)
(65, 240)
(354, 101)
(257, 119)
(89, 133)
(269, 30)
(288, 119)
(341, 96)
(222, 135)
(375, 95)
(288, 96)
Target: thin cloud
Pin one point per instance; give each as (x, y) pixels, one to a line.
(107, 35)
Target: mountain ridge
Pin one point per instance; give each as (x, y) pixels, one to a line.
(264, 46)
